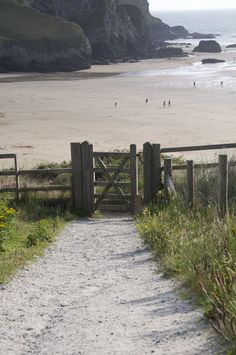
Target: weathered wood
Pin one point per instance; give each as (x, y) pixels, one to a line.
(8, 173)
(114, 208)
(105, 183)
(36, 189)
(147, 157)
(198, 147)
(156, 169)
(111, 170)
(108, 184)
(111, 154)
(87, 161)
(111, 180)
(190, 183)
(223, 185)
(7, 156)
(77, 183)
(92, 179)
(138, 204)
(167, 175)
(201, 166)
(16, 179)
(133, 176)
(45, 171)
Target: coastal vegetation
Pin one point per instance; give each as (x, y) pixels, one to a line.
(198, 247)
(26, 229)
(30, 40)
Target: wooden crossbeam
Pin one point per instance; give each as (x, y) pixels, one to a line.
(111, 179)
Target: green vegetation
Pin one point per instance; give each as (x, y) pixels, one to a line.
(198, 247)
(27, 26)
(26, 229)
(200, 250)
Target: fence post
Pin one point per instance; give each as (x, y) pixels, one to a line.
(223, 185)
(133, 176)
(167, 173)
(17, 179)
(190, 183)
(147, 157)
(156, 169)
(77, 190)
(87, 177)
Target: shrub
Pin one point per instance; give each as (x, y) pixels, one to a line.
(7, 217)
(40, 233)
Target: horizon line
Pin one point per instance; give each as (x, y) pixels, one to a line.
(202, 9)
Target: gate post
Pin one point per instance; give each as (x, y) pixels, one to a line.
(147, 157)
(77, 190)
(87, 177)
(82, 177)
(133, 176)
(223, 185)
(152, 171)
(156, 170)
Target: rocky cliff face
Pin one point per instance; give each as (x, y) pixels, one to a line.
(116, 28)
(33, 41)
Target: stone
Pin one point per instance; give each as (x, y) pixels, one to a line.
(210, 46)
(212, 61)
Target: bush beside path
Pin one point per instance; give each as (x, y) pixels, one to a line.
(96, 291)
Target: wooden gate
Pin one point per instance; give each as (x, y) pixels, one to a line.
(107, 181)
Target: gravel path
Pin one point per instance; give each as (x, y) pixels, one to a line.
(96, 292)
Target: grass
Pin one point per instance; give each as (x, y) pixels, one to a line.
(199, 249)
(33, 228)
(31, 28)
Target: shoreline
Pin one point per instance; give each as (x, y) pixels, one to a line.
(40, 115)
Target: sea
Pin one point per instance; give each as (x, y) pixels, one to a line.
(219, 22)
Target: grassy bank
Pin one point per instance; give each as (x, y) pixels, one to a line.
(200, 250)
(26, 229)
(20, 24)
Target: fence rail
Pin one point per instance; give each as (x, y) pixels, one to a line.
(92, 171)
(198, 148)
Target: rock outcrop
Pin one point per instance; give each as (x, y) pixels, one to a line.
(169, 52)
(197, 35)
(53, 35)
(208, 46)
(231, 46)
(32, 41)
(117, 29)
(212, 61)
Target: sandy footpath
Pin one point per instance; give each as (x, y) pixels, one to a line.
(96, 292)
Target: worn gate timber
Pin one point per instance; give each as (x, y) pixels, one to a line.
(107, 181)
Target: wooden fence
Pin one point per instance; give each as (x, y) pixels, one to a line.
(153, 170)
(18, 174)
(87, 165)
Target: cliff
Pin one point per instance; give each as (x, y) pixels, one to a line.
(58, 35)
(32, 41)
(116, 29)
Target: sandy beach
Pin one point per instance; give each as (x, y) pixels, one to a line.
(40, 114)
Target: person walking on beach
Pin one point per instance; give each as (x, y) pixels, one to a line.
(146, 101)
(115, 104)
(221, 83)
(169, 103)
(164, 103)
(194, 84)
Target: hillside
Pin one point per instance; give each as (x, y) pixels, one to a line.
(118, 29)
(33, 41)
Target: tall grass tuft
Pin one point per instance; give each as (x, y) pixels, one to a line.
(200, 249)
